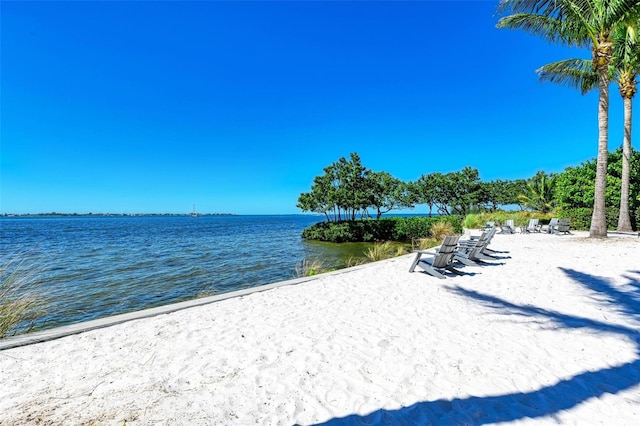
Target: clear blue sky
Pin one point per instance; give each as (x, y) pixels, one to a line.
(140, 107)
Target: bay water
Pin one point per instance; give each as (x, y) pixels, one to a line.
(96, 266)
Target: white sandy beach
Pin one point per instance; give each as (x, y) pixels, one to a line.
(551, 336)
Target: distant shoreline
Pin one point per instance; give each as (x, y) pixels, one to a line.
(55, 214)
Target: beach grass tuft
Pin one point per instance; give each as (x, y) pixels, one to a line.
(425, 243)
(385, 250)
(439, 230)
(309, 267)
(355, 261)
(22, 301)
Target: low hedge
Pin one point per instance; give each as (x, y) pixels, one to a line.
(372, 230)
(581, 217)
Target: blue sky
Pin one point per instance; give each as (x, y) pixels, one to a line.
(140, 107)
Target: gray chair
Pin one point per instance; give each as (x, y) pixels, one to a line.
(563, 226)
(474, 252)
(532, 226)
(485, 250)
(439, 260)
(550, 229)
(487, 226)
(470, 252)
(509, 227)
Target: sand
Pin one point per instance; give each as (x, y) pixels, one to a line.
(550, 335)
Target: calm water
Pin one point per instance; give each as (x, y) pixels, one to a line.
(94, 267)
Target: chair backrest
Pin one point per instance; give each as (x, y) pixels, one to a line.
(469, 248)
(446, 251)
(481, 244)
(533, 224)
(553, 222)
(509, 226)
(563, 225)
(492, 232)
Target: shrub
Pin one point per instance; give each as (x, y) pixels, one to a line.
(376, 230)
(413, 228)
(581, 217)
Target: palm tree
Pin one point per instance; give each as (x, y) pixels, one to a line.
(580, 23)
(624, 69)
(540, 192)
(627, 63)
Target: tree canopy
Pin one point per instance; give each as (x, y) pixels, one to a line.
(348, 190)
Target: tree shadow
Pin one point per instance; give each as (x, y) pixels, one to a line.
(547, 401)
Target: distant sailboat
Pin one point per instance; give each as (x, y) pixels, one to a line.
(193, 213)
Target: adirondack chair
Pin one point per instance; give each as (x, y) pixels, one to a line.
(485, 250)
(487, 226)
(490, 233)
(475, 252)
(509, 227)
(532, 226)
(438, 261)
(550, 229)
(563, 226)
(469, 252)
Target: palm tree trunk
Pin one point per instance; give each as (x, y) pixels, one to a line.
(598, 219)
(624, 221)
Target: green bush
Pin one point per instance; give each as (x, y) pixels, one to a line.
(411, 228)
(581, 217)
(372, 230)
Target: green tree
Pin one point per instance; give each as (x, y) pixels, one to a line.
(387, 193)
(425, 190)
(351, 186)
(348, 189)
(502, 192)
(575, 189)
(322, 198)
(457, 192)
(540, 192)
(581, 23)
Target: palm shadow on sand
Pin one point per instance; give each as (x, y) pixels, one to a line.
(546, 401)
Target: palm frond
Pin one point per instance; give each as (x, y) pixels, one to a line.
(550, 29)
(626, 54)
(539, 7)
(576, 73)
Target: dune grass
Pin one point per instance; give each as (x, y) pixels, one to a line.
(385, 250)
(22, 300)
(309, 267)
(437, 233)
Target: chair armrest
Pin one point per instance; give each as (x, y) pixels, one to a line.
(430, 252)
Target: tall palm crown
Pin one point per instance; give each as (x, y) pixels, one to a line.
(626, 57)
(581, 23)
